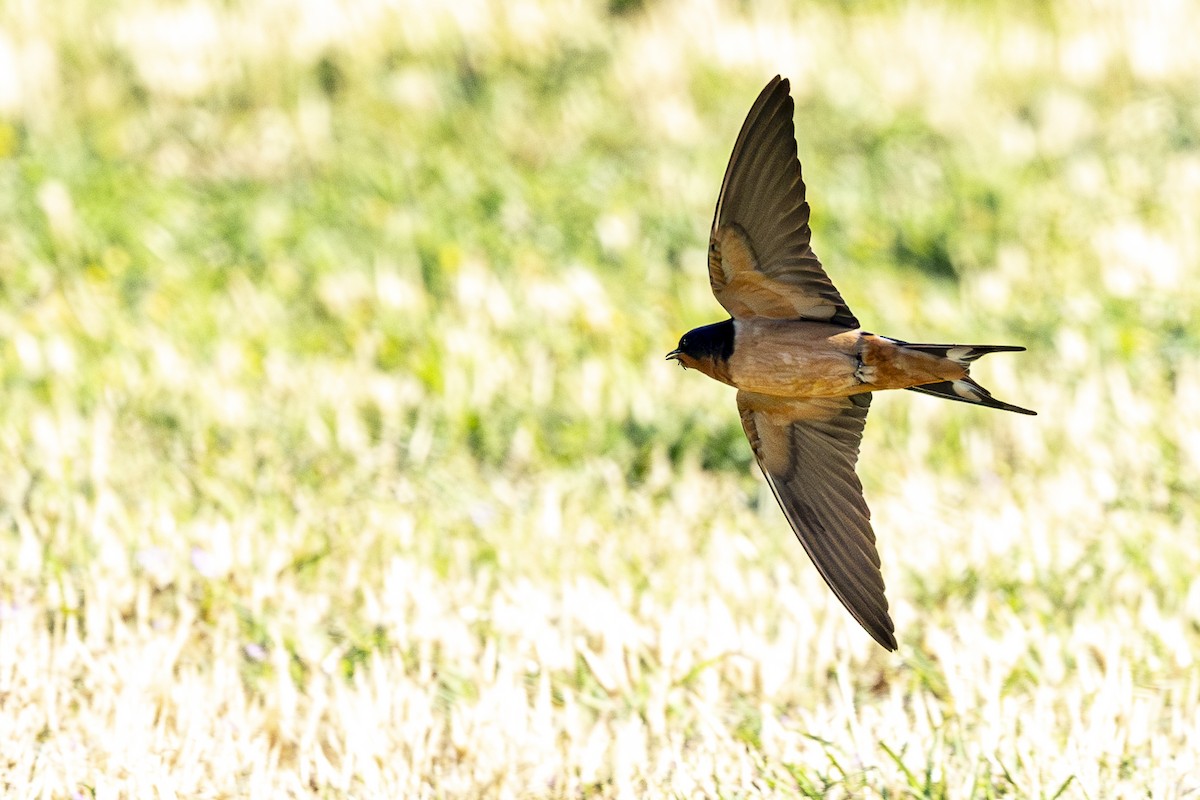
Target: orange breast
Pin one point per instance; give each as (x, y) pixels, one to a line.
(793, 358)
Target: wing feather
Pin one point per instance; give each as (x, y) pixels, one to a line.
(760, 259)
(807, 449)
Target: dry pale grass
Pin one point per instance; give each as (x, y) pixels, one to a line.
(340, 459)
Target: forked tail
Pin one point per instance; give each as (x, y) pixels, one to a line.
(965, 390)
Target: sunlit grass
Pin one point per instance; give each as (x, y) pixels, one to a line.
(340, 457)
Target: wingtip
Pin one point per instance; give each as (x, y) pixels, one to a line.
(884, 637)
(775, 84)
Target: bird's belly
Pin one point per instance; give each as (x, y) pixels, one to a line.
(796, 371)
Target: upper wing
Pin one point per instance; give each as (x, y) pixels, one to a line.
(759, 259)
(807, 450)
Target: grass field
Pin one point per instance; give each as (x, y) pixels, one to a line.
(340, 459)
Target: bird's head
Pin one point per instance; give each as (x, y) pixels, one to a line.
(706, 348)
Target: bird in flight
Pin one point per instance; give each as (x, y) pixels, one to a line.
(803, 366)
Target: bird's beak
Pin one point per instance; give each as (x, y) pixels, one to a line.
(673, 354)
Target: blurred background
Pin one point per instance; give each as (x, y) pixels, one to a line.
(340, 457)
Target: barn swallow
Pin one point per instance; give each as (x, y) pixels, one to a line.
(803, 366)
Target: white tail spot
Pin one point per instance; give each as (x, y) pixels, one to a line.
(959, 354)
(966, 391)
